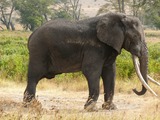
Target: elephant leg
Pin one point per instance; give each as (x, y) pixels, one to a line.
(93, 78)
(29, 93)
(108, 77)
(93, 85)
(35, 73)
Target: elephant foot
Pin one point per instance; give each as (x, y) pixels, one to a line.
(109, 106)
(90, 105)
(32, 104)
(27, 97)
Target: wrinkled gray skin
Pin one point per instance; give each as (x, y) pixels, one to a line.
(90, 46)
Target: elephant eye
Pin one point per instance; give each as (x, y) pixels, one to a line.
(135, 36)
(135, 25)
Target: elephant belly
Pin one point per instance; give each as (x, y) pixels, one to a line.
(65, 65)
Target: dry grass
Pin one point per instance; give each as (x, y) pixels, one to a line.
(13, 34)
(57, 102)
(152, 32)
(69, 84)
(152, 36)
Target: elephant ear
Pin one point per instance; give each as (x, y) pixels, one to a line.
(110, 32)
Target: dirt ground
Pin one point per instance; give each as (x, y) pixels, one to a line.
(59, 104)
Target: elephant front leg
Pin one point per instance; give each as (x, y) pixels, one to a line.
(108, 76)
(93, 84)
(90, 104)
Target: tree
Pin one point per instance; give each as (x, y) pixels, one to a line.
(6, 10)
(153, 13)
(33, 13)
(69, 9)
(130, 7)
(121, 6)
(113, 5)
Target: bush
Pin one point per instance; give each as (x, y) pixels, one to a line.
(154, 58)
(13, 57)
(124, 65)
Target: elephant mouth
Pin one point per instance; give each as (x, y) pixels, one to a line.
(138, 72)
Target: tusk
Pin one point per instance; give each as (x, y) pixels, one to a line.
(136, 62)
(150, 78)
(153, 81)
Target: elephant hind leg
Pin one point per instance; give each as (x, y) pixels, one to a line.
(36, 72)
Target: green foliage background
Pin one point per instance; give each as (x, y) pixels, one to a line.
(13, 55)
(14, 58)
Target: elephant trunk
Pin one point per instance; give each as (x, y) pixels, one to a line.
(143, 60)
(141, 66)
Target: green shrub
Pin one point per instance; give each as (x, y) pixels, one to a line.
(154, 58)
(13, 66)
(124, 65)
(13, 57)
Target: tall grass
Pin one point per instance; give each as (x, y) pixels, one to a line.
(154, 59)
(14, 58)
(124, 64)
(13, 55)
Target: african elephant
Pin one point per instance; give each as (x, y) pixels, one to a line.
(91, 46)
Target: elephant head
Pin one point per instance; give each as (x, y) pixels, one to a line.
(121, 31)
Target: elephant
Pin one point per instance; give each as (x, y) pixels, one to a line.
(90, 46)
